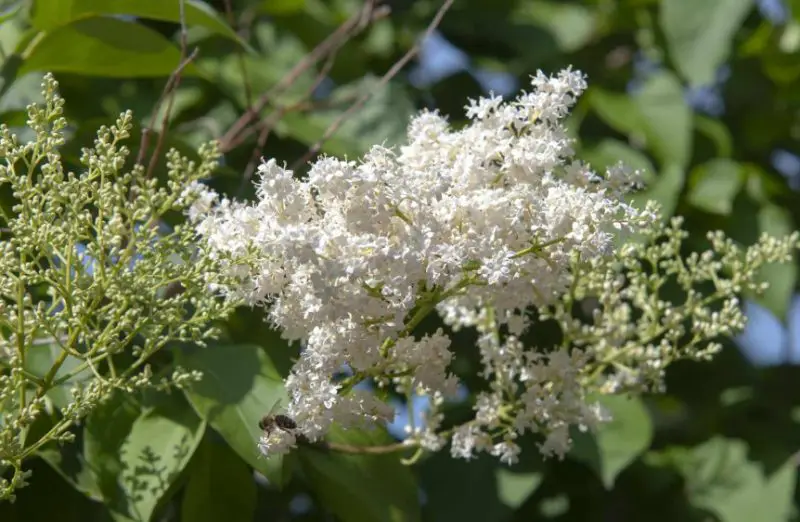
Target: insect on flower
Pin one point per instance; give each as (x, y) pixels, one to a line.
(271, 421)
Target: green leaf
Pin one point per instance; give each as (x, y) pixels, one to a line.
(138, 459)
(715, 184)
(239, 386)
(50, 14)
(618, 443)
(155, 452)
(717, 132)
(571, 25)
(495, 490)
(283, 7)
(104, 47)
(220, 487)
(362, 488)
(657, 114)
(40, 358)
(665, 118)
(104, 434)
(666, 190)
(50, 498)
(720, 477)
(71, 465)
(610, 151)
(67, 460)
(776, 221)
(10, 11)
(699, 34)
(383, 119)
(514, 488)
(616, 110)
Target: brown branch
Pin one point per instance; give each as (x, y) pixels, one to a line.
(391, 73)
(363, 450)
(368, 14)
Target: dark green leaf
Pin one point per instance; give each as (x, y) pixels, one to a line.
(68, 461)
(699, 34)
(362, 488)
(618, 443)
(717, 132)
(104, 47)
(239, 386)
(495, 489)
(220, 487)
(50, 498)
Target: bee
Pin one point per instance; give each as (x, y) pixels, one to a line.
(271, 421)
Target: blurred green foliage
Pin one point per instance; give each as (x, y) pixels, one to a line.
(719, 445)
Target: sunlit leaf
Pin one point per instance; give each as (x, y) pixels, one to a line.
(699, 34)
(720, 477)
(781, 277)
(715, 185)
(49, 14)
(656, 114)
(104, 47)
(572, 25)
(160, 444)
(138, 457)
(239, 386)
(618, 443)
(665, 118)
(39, 360)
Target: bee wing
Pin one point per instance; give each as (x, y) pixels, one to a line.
(275, 408)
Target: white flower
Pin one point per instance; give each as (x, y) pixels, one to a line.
(480, 225)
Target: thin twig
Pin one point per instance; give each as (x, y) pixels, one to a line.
(391, 73)
(368, 14)
(364, 450)
(273, 119)
(168, 95)
(248, 94)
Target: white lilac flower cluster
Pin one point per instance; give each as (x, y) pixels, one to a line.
(489, 226)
